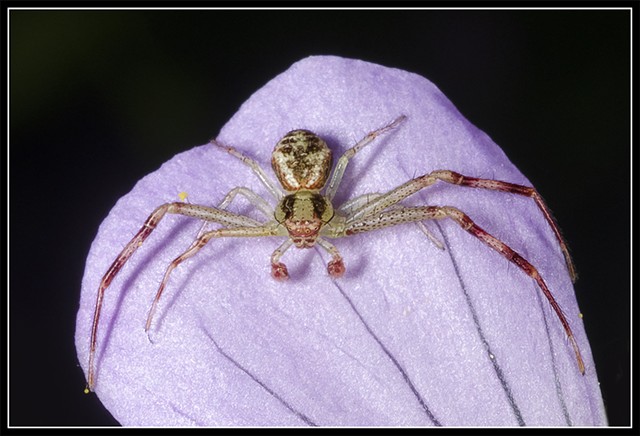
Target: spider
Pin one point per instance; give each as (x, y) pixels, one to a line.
(305, 216)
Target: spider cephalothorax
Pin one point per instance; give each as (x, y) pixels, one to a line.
(305, 217)
(303, 214)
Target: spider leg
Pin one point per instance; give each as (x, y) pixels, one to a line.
(341, 166)
(353, 204)
(192, 210)
(411, 214)
(278, 270)
(526, 191)
(255, 167)
(266, 230)
(251, 196)
(356, 203)
(403, 191)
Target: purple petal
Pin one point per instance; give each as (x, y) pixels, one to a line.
(411, 336)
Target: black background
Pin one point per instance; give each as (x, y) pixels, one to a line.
(98, 99)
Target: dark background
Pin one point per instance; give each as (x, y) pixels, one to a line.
(98, 99)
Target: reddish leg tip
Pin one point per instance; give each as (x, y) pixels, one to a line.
(336, 268)
(279, 272)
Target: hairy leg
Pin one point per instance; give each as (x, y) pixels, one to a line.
(412, 214)
(255, 167)
(191, 210)
(383, 202)
(341, 166)
(196, 246)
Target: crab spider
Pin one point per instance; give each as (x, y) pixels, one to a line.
(305, 216)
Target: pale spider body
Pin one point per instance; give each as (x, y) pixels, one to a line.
(306, 216)
(302, 162)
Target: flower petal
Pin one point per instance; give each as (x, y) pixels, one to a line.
(412, 335)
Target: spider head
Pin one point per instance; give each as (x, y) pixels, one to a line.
(301, 160)
(303, 214)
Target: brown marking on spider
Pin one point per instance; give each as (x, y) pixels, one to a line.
(306, 218)
(301, 160)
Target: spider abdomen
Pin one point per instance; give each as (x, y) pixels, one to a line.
(301, 160)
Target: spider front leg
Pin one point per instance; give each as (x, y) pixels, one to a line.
(349, 206)
(195, 211)
(412, 214)
(403, 191)
(526, 191)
